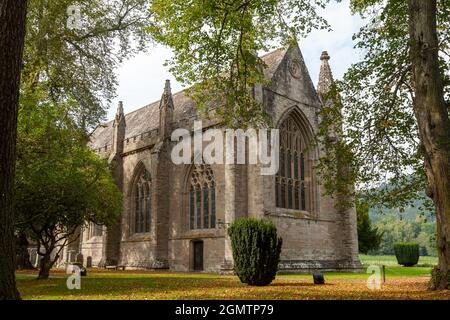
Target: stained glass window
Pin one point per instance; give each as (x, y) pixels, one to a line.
(142, 202)
(291, 179)
(202, 198)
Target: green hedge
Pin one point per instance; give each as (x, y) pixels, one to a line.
(407, 253)
(256, 250)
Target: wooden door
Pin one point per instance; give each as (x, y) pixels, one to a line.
(198, 255)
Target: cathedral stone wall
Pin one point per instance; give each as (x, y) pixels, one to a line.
(319, 237)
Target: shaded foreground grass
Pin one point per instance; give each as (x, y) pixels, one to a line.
(401, 283)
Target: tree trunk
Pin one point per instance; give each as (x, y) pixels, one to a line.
(46, 263)
(434, 128)
(22, 254)
(45, 266)
(12, 35)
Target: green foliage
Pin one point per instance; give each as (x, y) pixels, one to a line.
(67, 82)
(369, 238)
(397, 230)
(337, 167)
(413, 223)
(76, 66)
(60, 183)
(377, 94)
(216, 42)
(407, 253)
(416, 211)
(256, 250)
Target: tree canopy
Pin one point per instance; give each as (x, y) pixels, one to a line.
(67, 84)
(60, 184)
(75, 66)
(377, 100)
(216, 45)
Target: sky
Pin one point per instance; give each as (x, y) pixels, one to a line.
(141, 78)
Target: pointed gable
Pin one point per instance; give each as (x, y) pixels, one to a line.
(272, 61)
(291, 78)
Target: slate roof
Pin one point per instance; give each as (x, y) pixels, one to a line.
(146, 118)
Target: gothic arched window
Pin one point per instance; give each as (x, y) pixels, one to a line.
(94, 230)
(142, 207)
(202, 198)
(292, 185)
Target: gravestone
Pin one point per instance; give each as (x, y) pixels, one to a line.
(89, 262)
(318, 278)
(79, 258)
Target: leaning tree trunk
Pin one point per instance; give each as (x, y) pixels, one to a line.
(45, 267)
(22, 254)
(12, 35)
(434, 128)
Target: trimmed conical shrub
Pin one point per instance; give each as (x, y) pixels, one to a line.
(407, 253)
(256, 250)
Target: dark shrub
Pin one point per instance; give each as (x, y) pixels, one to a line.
(407, 254)
(256, 250)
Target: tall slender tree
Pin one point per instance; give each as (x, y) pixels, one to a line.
(369, 238)
(12, 35)
(432, 116)
(395, 110)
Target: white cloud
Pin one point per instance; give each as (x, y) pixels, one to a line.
(337, 42)
(141, 79)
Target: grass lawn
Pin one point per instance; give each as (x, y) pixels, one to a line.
(392, 261)
(401, 283)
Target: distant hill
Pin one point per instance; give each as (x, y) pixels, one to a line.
(417, 209)
(410, 213)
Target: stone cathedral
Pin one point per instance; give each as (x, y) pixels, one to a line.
(175, 216)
